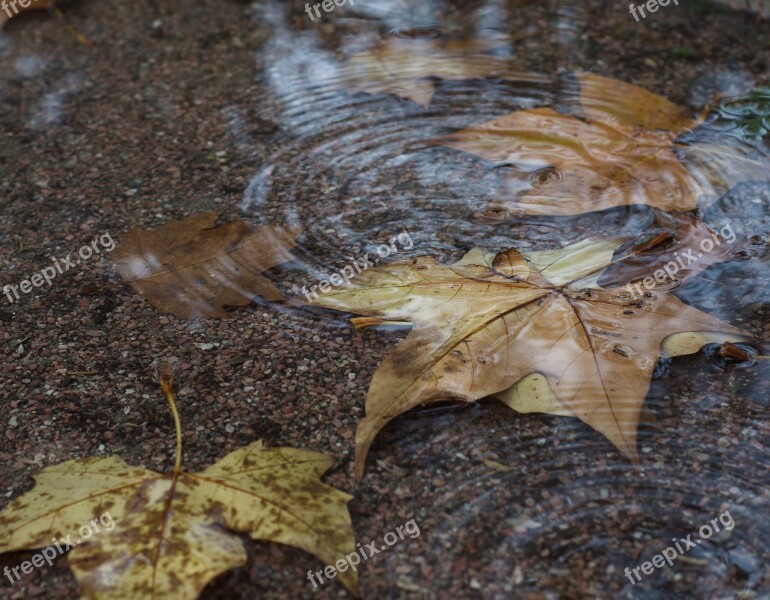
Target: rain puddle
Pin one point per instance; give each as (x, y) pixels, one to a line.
(391, 132)
(362, 107)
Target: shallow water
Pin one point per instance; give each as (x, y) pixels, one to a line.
(335, 126)
(375, 158)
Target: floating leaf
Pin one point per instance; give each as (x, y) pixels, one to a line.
(621, 152)
(190, 268)
(486, 323)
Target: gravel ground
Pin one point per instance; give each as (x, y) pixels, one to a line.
(138, 129)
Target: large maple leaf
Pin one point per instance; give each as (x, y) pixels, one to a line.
(621, 151)
(190, 268)
(486, 323)
(174, 532)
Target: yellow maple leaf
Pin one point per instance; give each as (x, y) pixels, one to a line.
(174, 532)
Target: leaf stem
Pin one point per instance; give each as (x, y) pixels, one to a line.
(166, 376)
(70, 27)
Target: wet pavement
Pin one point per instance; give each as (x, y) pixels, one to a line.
(260, 113)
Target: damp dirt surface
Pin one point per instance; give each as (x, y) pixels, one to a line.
(180, 107)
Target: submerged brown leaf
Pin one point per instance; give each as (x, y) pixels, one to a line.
(486, 323)
(190, 268)
(173, 533)
(621, 152)
(405, 67)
